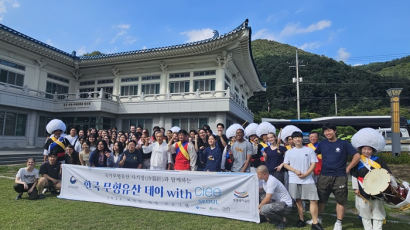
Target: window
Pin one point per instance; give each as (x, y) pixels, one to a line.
(57, 78)
(179, 75)
(144, 123)
(226, 85)
(129, 79)
(83, 83)
(204, 85)
(150, 88)
(84, 92)
(227, 79)
(183, 123)
(105, 81)
(52, 88)
(179, 87)
(107, 90)
(236, 89)
(11, 64)
(12, 124)
(188, 124)
(204, 73)
(41, 131)
(129, 90)
(12, 78)
(149, 78)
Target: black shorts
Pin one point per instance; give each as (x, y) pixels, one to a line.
(332, 184)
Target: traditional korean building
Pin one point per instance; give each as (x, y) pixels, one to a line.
(188, 85)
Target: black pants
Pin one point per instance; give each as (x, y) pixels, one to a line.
(19, 188)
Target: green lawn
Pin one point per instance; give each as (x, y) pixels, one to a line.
(54, 213)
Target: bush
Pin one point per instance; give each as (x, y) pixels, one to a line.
(389, 158)
(343, 132)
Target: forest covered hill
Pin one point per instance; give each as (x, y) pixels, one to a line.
(360, 90)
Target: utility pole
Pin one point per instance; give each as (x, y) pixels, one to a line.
(335, 104)
(297, 80)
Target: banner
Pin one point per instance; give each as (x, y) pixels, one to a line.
(230, 195)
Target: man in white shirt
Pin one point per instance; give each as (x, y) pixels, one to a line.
(277, 202)
(160, 158)
(73, 139)
(300, 161)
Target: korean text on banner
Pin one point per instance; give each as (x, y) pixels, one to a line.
(230, 195)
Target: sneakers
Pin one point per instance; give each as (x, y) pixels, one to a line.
(310, 222)
(18, 197)
(300, 224)
(338, 226)
(317, 226)
(41, 196)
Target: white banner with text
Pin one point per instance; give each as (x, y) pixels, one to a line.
(230, 195)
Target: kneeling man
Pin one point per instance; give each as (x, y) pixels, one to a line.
(277, 202)
(51, 175)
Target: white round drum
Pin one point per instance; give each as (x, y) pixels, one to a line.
(376, 181)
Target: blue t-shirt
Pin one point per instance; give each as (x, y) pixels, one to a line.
(133, 160)
(213, 159)
(334, 156)
(275, 157)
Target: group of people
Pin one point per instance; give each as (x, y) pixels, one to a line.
(289, 171)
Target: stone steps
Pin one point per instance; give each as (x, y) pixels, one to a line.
(19, 158)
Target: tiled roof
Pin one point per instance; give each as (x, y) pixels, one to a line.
(10, 30)
(216, 36)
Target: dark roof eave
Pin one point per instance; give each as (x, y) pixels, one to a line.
(253, 61)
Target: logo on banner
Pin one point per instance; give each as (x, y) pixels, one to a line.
(240, 194)
(73, 180)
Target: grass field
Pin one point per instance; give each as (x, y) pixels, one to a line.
(54, 213)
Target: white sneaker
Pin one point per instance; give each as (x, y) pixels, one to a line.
(338, 226)
(310, 222)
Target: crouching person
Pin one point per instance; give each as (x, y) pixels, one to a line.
(276, 202)
(26, 180)
(51, 175)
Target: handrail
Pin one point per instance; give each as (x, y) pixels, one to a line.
(124, 99)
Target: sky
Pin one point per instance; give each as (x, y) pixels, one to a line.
(356, 32)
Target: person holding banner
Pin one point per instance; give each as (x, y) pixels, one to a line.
(275, 202)
(132, 157)
(186, 156)
(160, 156)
